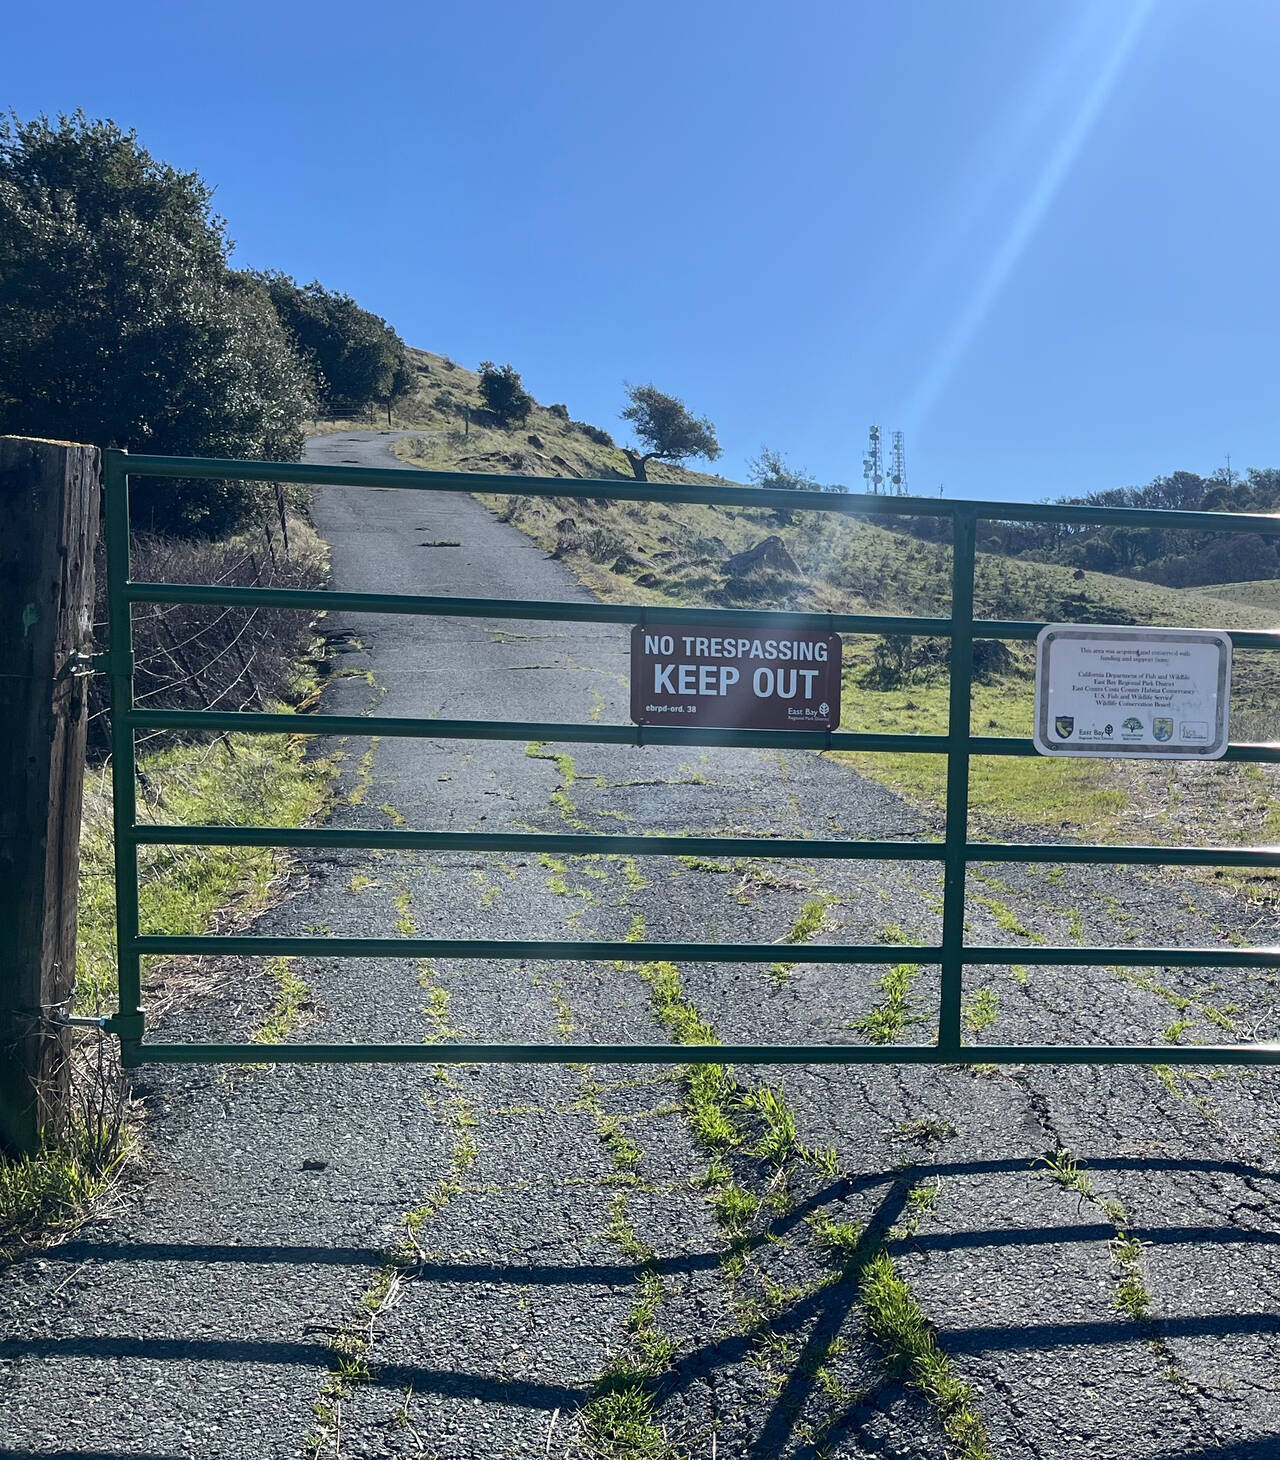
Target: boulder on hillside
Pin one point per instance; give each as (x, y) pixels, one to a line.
(771, 553)
(568, 538)
(629, 563)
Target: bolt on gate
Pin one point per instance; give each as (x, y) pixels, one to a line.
(954, 852)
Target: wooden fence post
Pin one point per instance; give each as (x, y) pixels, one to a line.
(49, 501)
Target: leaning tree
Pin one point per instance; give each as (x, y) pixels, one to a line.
(664, 424)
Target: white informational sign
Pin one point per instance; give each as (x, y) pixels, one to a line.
(1105, 690)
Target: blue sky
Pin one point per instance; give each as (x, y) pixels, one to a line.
(1039, 238)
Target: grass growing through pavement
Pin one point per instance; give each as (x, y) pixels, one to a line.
(809, 921)
(887, 1022)
(905, 1337)
(1131, 1296)
(353, 1340)
(981, 1011)
(910, 1347)
(293, 998)
(716, 1113)
(620, 1421)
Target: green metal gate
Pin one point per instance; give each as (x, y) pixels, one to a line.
(954, 852)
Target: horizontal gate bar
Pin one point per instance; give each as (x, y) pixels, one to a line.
(573, 843)
(586, 488)
(590, 950)
(553, 948)
(1124, 855)
(650, 616)
(261, 723)
(551, 610)
(1128, 957)
(253, 722)
(704, 1054)
(584, 844)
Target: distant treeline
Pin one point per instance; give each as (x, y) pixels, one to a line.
(1172, 556)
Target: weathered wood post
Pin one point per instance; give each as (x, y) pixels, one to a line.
(49, 493)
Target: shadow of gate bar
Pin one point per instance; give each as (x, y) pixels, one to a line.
(954, 852)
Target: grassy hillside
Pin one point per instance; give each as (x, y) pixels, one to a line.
(1261, 593)
(642, 553)
(447, 402)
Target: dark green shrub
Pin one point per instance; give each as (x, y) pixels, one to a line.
(121, 325)
(503, 394)
(356, 358)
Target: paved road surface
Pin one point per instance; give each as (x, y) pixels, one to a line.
(560, 1220)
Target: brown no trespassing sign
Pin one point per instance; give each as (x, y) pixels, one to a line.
(753, 679)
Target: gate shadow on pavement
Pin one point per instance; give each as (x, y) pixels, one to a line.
(84, 1455)
(1260, 1447)
(820, 1315)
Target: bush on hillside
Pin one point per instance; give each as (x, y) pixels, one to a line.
(503, 393)
(897, 659)
(121, 325)
(593, 433)
(770, 471)
(356, 358)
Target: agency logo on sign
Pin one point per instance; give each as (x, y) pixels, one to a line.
(1065, 724)
(1162, 727)
(1132, 726)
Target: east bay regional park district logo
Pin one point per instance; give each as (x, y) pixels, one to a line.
(1161, 727)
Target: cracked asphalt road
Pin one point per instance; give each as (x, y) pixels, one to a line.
(201, 1317)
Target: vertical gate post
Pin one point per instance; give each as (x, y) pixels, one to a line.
(49, 493)
(959, 729)
(128, 1020)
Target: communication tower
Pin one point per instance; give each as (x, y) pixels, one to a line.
(898, 466)
(873, 464)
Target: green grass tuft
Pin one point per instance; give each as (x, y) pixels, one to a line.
(910, 1347)
(44, 1195)
(888, 1021)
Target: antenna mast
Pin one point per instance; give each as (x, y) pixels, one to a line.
(873, 464)
(898, 466)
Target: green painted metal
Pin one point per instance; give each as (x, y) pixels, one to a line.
(849, 504)
(255, 722)
(955, 851)
(128, 1019)
(549, 610)
(585, 844)
(578, 949)
(956, 837)
(706, 1054)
